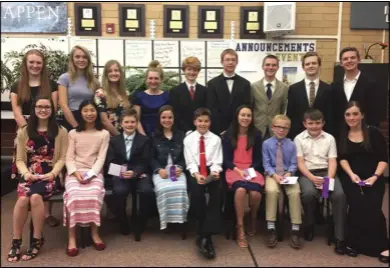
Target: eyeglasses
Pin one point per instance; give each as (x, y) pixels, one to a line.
(40, 107)
(281, 128)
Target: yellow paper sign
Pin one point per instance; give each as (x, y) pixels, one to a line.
(176, 15)
(250, 26)
(132, 24)
(253, 16)
(175, 25)
(87, 23)
(210, 15)
(132, 14)
(208, 25)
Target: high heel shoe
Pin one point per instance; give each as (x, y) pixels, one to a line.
(72, 252)
(241, 239)
(99, 246)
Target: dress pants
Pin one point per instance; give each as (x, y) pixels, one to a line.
(310, 195)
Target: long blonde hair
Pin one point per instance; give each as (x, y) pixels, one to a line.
(92, 81)
(112, 101)
(23, 89)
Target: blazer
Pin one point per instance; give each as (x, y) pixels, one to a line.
(224, 104)
(184, 107)
(264, 110)
(364, 93)
(139, 153)
(298, 103)
(162, 147)
(60, 148)
(257, 155)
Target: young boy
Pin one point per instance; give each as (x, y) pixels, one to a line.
(203, 155)
(132, 150)
(316, 153)
(279, 160)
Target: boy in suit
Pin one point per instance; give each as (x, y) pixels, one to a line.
(280, 160)
(317, 154)
(311, 92)
(131, 149)
(227, 92)
(188, 96)
(203, 156)
(269, 96)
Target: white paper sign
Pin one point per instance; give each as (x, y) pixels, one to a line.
(116, 170)
(250, 173)
(331, 184)
(289, 180)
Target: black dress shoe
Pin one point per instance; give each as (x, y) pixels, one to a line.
(351, 252)
(340, 247)
(308, 233)
(384, 259)
(202, 242)
(210, 248)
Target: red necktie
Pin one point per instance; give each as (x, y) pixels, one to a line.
(192, 92)
(202, 157)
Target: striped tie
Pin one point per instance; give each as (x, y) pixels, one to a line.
(128, 149)
(312, 94)
(279, 159)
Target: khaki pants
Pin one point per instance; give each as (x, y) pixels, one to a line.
(272, 189)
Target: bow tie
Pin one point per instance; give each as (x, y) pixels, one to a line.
(230, 78)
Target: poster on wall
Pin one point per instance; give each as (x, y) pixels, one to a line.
(34, 17)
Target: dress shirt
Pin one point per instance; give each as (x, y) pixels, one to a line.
(130, 144)
(189, 85)
(316, 85)
(289, 155)
(316, 151)
(229, 82)
(273, 83)
(213, 149)
(349, 85)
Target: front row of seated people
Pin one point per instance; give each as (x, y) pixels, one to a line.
(158, 165)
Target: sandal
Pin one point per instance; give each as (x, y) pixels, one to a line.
(16, 243)
(52, 221)
(36, 244)
(241, 239)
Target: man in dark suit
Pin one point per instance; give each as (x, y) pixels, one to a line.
(356, 86)
(227, 92)
(132, 150)
(311, 92)
(188, 96)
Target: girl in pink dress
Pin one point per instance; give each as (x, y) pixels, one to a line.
(242, 151)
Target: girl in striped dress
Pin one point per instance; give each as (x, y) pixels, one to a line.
(171, 189)
(84, 183)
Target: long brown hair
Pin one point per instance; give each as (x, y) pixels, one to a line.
(32, 124)
(23, 90)
(92, 81)
(112, 101)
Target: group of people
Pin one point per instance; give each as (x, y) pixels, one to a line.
(174, 146)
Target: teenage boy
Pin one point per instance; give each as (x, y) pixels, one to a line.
(227, 92)
(132, 150)
(317, 154)
(203, 156)
(280, 161)
(188, 96)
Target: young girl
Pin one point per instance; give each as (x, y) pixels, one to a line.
(167, 150)
(78, 84)
(242, 147)
(41, 151)
(112, 98)
(148, 102)
(88, 145)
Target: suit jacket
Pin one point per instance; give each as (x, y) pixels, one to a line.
(139, 154)
(298, 103)
(224, 104)
(364, 92)
(184, 107)
(264, 110)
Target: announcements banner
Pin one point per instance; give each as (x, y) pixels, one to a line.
(34, 17)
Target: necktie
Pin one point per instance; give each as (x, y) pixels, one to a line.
(202, 157)
(230, 78)
(269, 91)
(279, 159)
(312, 94)
(128, 140)
(192, 92)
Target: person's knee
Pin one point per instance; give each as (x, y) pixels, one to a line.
(23, 201)
(309, 194)
(240, 191)
(36, 200)
(272, 191)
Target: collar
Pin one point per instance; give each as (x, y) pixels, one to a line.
(316, 81)
(354, 79)
(188, 84)
(131, 136)
(265, 82)
(206, 135)
(275, 140)
(307, 135)
(225, 75)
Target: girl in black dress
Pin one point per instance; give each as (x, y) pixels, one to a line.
(363, 158)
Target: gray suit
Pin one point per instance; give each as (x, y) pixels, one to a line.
(265, 110)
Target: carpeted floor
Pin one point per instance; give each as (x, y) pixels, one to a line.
(159, 248)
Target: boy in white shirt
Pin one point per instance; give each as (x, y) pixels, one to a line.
(316, 155)
(203, 156)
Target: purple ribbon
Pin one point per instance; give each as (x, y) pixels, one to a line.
(325, 188)
(172, 173)
(362, 183)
